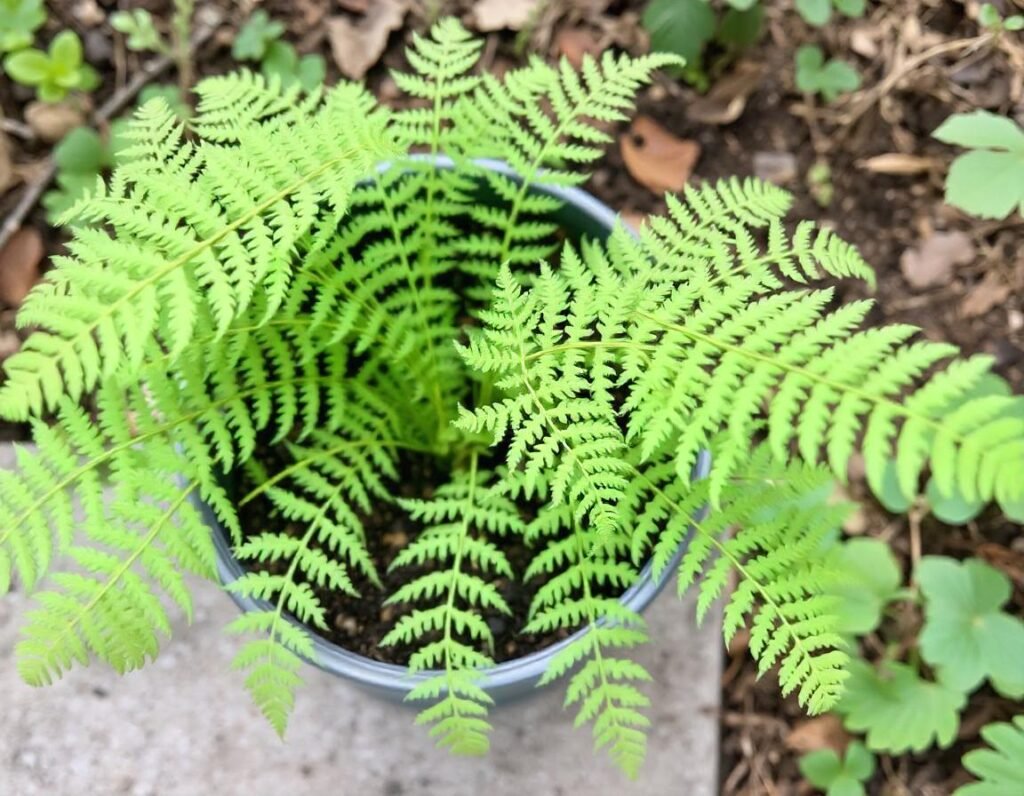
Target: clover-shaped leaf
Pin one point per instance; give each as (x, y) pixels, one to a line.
(283, 62)
(138, 26)
(256, 35)
(56, 71)
(19, 20)
(1000, 768)
(965, 635)
(816, 76)
(837, 776)
(818, 12)
(869, 577)
(897, 709)
(987, 182)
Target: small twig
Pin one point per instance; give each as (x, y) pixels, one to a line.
(116, 102)
(14, 127)
(883, 87)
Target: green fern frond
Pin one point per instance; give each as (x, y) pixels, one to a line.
(768, 532)
(199, 229)
(559, 414)
(605, 687)
(446, 625)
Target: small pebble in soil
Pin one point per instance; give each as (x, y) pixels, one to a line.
(777, 167)
(346, 624)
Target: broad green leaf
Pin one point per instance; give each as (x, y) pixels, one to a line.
(256, 35)
(952, 508)
(816, 76)
(987, 183)
(981, 130)
(81, 151)
(850, 8)
(66, 50)
(836, 777)
(966, 635)
(898, 710)
(29, 67)
(814, 12)
(885, 485)
(743, 5)
(869, 578)
(138, 26)
(19, 19)
(682, 27)
(1013, 509)
(741, 28)
(1000, 768)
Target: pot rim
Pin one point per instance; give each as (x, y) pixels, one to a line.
(378, 675)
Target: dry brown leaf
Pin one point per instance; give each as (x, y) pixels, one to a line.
(727, 100)
(356, 6)
(896, 163)
(356, 46)
(989, 293)
(19, 265)
(574, 43)
(7, 174)
(821, 732)
(51, 121)
(931, 264)
(488, 15)
(657, 159)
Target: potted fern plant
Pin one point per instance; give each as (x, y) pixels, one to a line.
(378, 378)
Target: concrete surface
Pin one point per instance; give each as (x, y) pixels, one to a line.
(184, 726)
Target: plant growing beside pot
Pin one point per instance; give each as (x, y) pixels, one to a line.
(291, 321)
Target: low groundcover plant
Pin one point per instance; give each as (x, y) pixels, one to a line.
(285, 299)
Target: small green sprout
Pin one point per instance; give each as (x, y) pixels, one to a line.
(56, 72)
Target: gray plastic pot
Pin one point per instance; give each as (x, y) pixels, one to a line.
(581, 216)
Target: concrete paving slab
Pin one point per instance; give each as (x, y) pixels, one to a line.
(185, 727)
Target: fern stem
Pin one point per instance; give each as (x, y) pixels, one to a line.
(455, 568)
(589, 344)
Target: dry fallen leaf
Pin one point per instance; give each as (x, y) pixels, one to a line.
(19, 265)
(726, 101)
(356, 46)
(488, 15)
(821, 732)
(51, 121)
(989, 293)
(896, 163)
(657, 159)
(7, 174)
(356, 6)
(931, 263)
(574, 43)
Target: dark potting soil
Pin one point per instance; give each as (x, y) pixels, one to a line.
(359, 623)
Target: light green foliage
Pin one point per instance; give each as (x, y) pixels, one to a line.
(839, 776)
(446, 625)
(815, 75)
(141, 32)
(55, 72)
(259, 40)
(261, 283)
(19, 20)
(686, 28)
(255, 36)
(988, 181)
(966, 635)
(990, 18)
(999, 768)
(83, 155)
(868, 578)
(898, 709)
(819, 12)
